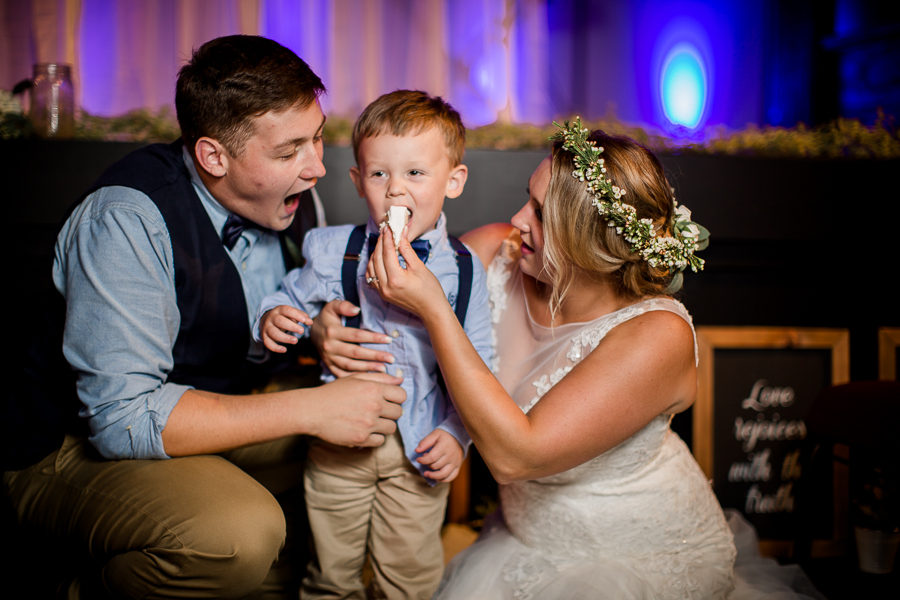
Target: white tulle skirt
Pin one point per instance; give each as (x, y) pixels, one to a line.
(757, 577)
(482, 572)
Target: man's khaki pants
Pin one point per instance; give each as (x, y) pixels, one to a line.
(195, 527)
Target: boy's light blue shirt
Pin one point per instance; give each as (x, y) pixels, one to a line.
(319, 281)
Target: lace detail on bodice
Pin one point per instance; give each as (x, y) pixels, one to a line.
(644, 504)
(498, 274)
(587, 339)
(584, 337)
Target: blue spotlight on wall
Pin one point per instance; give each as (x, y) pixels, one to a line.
(683, 86)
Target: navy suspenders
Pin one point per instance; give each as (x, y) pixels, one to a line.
(464, 286)
(348, 270)
(351, 264)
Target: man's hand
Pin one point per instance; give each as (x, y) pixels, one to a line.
(339, 346)
(442, 454)
(279, 325)
(358, 410)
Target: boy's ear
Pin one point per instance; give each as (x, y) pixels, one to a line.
(357, 181)
(211, 156)
(457, 181)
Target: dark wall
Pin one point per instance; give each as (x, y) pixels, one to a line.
(805, 243)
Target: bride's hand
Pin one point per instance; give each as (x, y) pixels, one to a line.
(414, 288)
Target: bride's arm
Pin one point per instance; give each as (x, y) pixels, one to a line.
(642, 368)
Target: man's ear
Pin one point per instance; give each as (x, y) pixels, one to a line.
(211, 156)
(356, 178)
(457, 180)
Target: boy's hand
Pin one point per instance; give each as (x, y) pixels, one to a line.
(279, 325)
(442, 454)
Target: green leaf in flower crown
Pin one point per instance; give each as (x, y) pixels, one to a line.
(703, 238)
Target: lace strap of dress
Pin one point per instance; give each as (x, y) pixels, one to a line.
(588, 338)
(499, 272)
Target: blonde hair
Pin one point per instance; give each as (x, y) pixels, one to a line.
(409, 112)
(579, 240)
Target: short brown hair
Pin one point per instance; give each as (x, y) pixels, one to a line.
(406, 112)
(579, 238)
(232, 79)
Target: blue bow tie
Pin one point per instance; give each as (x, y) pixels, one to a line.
(422, 247)
(233, 228)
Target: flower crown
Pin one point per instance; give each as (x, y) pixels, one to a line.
(672, 252)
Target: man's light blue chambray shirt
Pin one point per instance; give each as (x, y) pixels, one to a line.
(113, 264)
(319, 281)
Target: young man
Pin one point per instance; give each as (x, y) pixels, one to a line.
(158, 269)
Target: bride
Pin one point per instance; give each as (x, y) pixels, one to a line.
(599, 498)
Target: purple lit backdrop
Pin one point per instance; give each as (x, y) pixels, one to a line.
(767, 62)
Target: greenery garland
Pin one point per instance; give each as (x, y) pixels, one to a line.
(841, 138)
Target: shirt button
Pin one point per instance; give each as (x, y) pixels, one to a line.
(399, 373)
(395, 334)
(244, 265)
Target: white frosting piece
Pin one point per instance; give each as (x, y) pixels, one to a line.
(397, 218)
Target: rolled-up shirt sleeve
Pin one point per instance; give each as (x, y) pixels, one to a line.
(114, 265)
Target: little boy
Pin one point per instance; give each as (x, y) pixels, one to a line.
(388, 501)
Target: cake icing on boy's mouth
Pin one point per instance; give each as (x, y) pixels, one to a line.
(396, 218)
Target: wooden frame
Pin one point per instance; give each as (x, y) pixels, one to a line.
(712, 338)
(888, 341)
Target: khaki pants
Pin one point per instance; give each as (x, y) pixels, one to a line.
(195, 527)
(372, 500)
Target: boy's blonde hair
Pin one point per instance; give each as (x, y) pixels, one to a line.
(410, 112)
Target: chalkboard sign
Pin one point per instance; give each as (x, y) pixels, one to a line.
(756, 388)
(888, 357)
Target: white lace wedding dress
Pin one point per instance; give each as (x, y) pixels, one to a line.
(639, 521)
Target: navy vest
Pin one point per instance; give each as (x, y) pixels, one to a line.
(211, 347)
